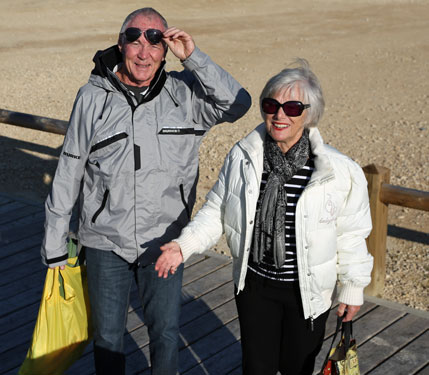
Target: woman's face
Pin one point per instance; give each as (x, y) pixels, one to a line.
(286, 131)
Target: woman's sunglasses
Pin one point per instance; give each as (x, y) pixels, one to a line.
(153, 36)
(291, 108)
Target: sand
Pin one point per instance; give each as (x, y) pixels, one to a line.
(372, 58)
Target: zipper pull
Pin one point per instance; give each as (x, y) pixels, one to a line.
(312, 323)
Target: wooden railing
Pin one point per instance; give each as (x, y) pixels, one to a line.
(381, 194)
(25, 120)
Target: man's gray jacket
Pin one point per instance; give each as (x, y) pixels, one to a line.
(134, 167)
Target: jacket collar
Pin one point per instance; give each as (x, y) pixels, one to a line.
(323, 170)
(253, 146)
(105, 62)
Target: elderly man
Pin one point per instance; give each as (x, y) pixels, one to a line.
(131, 157)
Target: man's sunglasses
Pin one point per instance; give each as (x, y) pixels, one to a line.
(291, 108)
(153, 36)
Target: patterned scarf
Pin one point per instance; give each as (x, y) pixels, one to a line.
(269, 231)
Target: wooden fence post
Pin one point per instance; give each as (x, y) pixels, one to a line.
(376, 241)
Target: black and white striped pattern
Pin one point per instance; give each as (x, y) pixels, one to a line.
(289, 271)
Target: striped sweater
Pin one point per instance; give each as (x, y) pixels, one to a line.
(289, 271)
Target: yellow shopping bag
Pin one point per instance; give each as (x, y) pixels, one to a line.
(63, 326)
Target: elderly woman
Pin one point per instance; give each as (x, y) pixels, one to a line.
(295, 212)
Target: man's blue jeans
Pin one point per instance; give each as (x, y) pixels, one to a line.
(109, 285)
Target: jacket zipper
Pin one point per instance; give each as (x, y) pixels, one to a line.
(182, 196)
(108, 141)
(103, 204)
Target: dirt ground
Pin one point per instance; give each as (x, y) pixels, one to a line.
(372, 58)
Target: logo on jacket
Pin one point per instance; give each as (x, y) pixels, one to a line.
(330, 211)
(71, 155)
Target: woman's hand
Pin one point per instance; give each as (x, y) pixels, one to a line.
(179, 42)
(351, 311)
(169, 260)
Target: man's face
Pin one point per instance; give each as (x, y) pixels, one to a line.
(141, 59)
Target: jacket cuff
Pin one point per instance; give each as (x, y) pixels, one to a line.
(55, 262)
(351, 295)
(187, 244)
(194, 60)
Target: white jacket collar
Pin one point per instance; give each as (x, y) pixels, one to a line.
(253, 145)
(322, 166)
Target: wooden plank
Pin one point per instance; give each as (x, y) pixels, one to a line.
(19, 214)
(221, 363)
(389, 341)
(208, 283)
(12, 359)
(10, 207)
(376, 241)
(23, 316)
(424, 371)
(26, 120)
(28, 286)
(19, 232)
(38, 216)
(202, 350)
(409, 360)
(405, 197)
(14, 248)
(209, 265)
(207, 302)
(212, 320)
(4, 199)
(16, 337)
(238, 371)
(15, 269)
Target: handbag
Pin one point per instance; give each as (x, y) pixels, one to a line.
(63, 327)
(343, 358)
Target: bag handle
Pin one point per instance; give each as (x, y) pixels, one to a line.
(347, 333)
(337, 329)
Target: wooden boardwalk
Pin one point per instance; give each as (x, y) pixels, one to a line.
(392, 339)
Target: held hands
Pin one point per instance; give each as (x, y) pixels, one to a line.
(179, 42)
(169, 260)
(351, 311)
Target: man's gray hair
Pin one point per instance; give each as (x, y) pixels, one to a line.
(147, 12)
(299, 77)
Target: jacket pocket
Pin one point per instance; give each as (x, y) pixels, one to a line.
(108, 141)
(101, 208)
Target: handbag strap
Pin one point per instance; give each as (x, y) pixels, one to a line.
(347, 333)
(337, 329)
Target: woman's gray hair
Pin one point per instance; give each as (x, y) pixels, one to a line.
(146, 12)
(298, 77)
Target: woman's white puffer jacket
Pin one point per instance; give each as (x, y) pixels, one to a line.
(332, 221)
